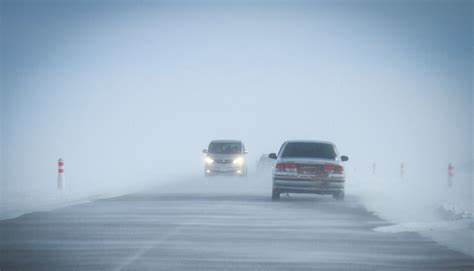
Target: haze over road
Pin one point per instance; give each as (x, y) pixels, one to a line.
(216, 224)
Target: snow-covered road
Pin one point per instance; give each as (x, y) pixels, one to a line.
(216, 224)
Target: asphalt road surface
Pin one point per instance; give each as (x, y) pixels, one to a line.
(216, 224)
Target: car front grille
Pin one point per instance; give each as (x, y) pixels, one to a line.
(223, 161)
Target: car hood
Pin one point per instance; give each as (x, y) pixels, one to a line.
(223, 156)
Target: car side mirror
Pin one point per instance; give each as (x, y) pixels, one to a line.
(272, 156)
(204, 151)
(344, 158)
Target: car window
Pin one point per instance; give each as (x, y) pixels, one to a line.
(309, 150)
(281, 148)
(225, 147)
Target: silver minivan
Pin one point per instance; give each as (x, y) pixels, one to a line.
(225, 157)
(308, 167)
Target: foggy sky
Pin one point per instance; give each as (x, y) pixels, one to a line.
(131, 92)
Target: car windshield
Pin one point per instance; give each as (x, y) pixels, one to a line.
(309, 150)
(225, 147)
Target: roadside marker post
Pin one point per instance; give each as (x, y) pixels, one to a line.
(450, 175)
(402, 170)
(60, 174)
(373, 168)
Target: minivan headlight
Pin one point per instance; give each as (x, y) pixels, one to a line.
(238, 161)
(208, 160)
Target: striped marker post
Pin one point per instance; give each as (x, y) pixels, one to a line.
(402, 170)
(60, 174)
(450, 174)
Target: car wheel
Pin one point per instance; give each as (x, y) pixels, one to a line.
(339, 195)
(275, 194)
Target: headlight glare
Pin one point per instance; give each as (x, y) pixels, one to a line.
(208, 160)
(239, 161)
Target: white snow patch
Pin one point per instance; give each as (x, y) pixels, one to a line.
(426, 226)
(426, 206)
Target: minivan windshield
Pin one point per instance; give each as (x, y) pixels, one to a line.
(309, 150)
(225, 147)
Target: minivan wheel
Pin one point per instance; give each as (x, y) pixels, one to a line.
(339, 195)
(275, 194)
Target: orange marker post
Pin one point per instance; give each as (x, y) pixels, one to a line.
(450, 174)
(60, 174)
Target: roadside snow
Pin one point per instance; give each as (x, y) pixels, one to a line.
(440, 213)
(426, 226)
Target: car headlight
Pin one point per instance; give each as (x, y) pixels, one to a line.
(238, 161)
(208, 160)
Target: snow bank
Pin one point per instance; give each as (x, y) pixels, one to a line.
(427, 206)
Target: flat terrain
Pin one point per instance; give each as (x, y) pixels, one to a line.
(216, 224)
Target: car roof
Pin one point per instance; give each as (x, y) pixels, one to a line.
(226, 141)
(309, 141)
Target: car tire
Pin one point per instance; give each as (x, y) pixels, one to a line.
(275, 195)
(339, 196)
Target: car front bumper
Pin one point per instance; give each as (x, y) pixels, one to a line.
(224, 170)
(313, 186)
